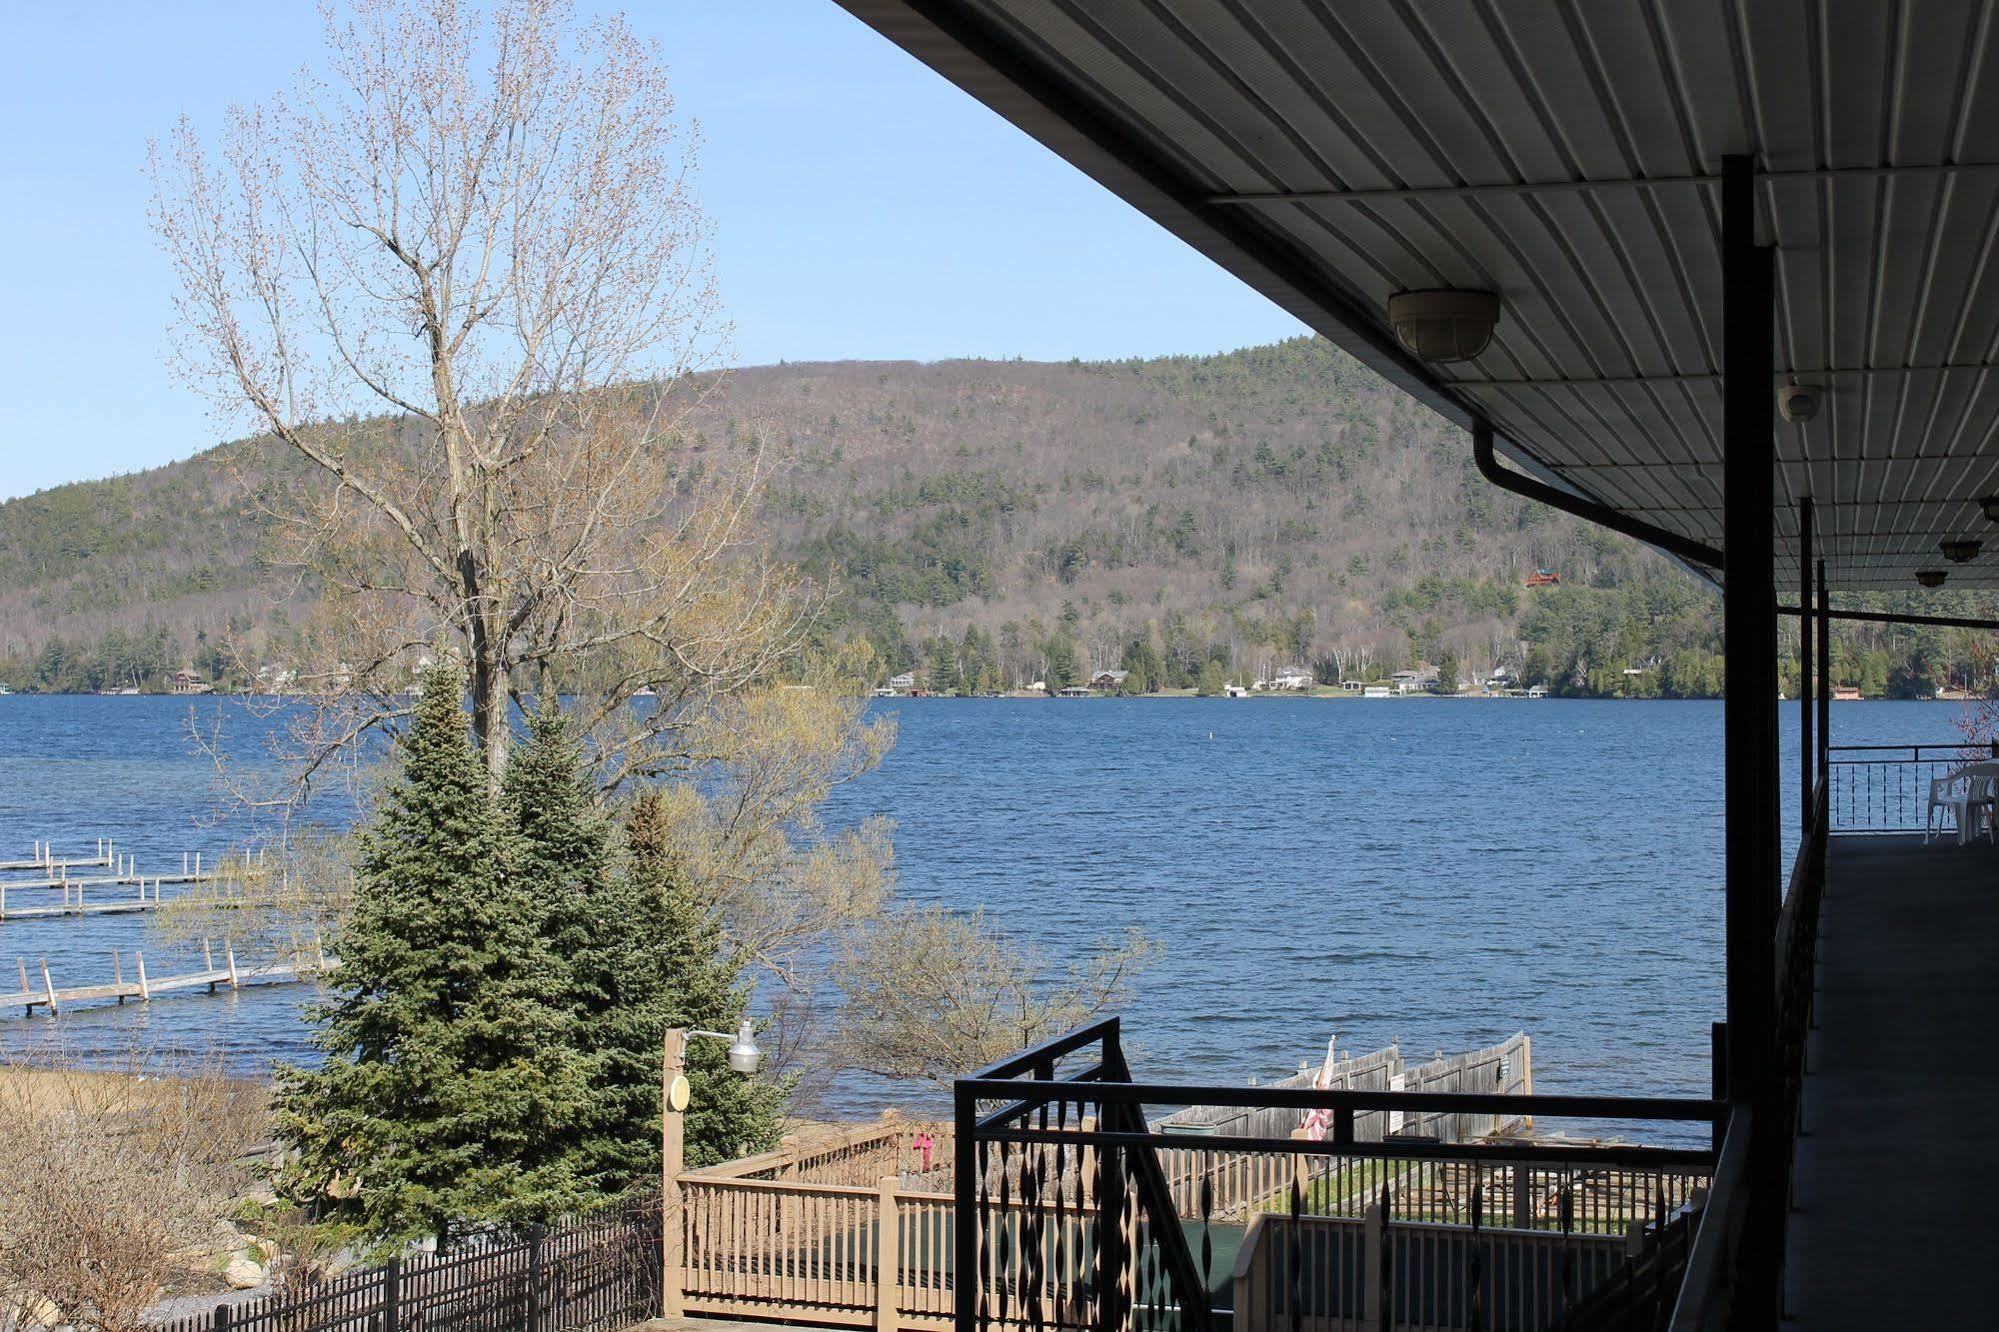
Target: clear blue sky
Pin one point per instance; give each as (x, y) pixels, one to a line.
(864, 208)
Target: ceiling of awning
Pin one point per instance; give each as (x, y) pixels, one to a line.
(1566, 155)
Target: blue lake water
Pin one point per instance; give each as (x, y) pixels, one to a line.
(1442, 871)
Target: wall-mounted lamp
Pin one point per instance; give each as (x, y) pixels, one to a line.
(1962, 550)
(1990, 506)
(1930, 577)
(744, 1056)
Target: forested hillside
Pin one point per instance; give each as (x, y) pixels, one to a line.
(997, 522)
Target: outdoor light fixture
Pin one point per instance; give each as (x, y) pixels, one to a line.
(1930, 577)
(1443, 323)
(744, 1056)
(1798, 403)
(1961, 551)
(1990, 504)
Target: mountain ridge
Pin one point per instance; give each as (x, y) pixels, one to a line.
(991, 519)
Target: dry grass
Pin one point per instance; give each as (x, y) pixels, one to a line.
(108, 1180)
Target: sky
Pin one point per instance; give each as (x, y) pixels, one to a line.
(864, 208)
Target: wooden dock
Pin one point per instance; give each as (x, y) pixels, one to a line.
(45, 859)
(123, 889)
(143, 988)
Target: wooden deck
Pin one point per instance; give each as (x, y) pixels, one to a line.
(1896, 1172)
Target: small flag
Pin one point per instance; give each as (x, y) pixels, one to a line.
(1319, 1118)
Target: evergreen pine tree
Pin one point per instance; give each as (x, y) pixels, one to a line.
(565, 839)
(591, 920)
(449, 1080)
(673, 968)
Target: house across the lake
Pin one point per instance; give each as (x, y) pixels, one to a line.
(1291, 677)
(190, 682)
(1414, 682)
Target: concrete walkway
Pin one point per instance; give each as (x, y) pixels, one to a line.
(1898, 1172)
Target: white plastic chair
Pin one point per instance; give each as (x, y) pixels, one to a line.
(1967, 795)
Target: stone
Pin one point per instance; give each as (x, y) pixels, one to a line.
(243, 1273)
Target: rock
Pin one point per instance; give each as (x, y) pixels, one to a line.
(243, 1273)
(266, 1250)
(42, 1313)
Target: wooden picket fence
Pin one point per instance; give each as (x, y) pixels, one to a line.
(598, 1273)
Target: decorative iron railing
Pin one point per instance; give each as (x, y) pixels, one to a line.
(1076, 1211)
(1886, 788)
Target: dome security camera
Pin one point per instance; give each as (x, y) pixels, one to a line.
(1798, 403)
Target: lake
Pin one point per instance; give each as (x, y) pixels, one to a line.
(1442, 871)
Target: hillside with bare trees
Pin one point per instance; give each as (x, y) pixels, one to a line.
(998, 522)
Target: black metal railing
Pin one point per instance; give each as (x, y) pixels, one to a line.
(1078, 1210)
(1886, 788)
(1741, 1235)
(591, 1275)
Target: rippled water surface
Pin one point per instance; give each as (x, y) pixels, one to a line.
(1443, 871)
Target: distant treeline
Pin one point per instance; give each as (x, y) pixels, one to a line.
(144, 660)
(1191, 520)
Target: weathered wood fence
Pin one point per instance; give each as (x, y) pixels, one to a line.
(1347, 1274)
(1238, 1183)
(599, 1273)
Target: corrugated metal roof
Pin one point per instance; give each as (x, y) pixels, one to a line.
(1566, 155)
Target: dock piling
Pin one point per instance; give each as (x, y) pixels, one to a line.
(139, 959)
(49, 987)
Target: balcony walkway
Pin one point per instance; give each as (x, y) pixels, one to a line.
(1898, 1171)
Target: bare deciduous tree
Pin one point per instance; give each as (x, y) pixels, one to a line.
(929, 994)
(109, 1182)
(481, 222)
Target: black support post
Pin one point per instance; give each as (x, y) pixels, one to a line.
(1825, 686)
(1808, 755)
(1749, 610)
(966, 1217)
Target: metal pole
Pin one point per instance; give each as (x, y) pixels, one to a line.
(1807, 747)
(1825, 689)
(1749, 611)
(965, 1219)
